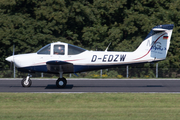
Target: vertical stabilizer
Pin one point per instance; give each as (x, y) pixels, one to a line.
(156, 44)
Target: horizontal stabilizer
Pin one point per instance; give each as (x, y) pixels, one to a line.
(159, 29)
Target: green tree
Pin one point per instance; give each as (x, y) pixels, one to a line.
(31, 24)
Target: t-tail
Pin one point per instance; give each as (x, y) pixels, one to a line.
(156, 44)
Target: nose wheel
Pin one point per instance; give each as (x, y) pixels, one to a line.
(26, 82)
(61, 82)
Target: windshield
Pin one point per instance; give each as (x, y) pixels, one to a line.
(73, 50)
(45, 50)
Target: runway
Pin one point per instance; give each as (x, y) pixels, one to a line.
(93, 85)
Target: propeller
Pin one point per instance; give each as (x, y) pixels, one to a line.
(12, 62)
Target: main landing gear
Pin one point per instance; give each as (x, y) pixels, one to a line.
(60, 83)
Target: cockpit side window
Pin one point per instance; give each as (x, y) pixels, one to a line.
(59, 50)
(74, 50)
(45, 50)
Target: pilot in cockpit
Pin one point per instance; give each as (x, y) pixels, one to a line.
(59, 50)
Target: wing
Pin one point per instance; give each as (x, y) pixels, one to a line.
(60, 66)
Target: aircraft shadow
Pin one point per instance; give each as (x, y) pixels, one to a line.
(55, 87)
(123, 86)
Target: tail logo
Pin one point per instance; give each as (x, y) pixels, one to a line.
(154, 44)
(153, 47)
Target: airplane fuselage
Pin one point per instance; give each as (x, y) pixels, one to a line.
(88, 60)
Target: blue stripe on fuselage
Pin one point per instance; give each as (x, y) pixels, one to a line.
(77, 68)
(41, 68)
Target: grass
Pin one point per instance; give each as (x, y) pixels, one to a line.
(89, 106)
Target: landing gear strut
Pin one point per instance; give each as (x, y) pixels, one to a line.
(26, 82)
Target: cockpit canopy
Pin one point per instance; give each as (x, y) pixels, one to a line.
(60, 48)
(74, 50)
(45, 50)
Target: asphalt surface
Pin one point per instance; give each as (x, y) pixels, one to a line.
(93, 85)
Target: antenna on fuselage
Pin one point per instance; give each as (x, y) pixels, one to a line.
(108, 47)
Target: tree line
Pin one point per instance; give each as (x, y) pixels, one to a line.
(91, 24)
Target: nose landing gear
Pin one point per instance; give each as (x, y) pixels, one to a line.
(26, 82)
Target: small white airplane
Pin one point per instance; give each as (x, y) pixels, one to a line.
(64, 58)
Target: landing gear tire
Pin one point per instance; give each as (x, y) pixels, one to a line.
(61, 82)
(26, 83)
